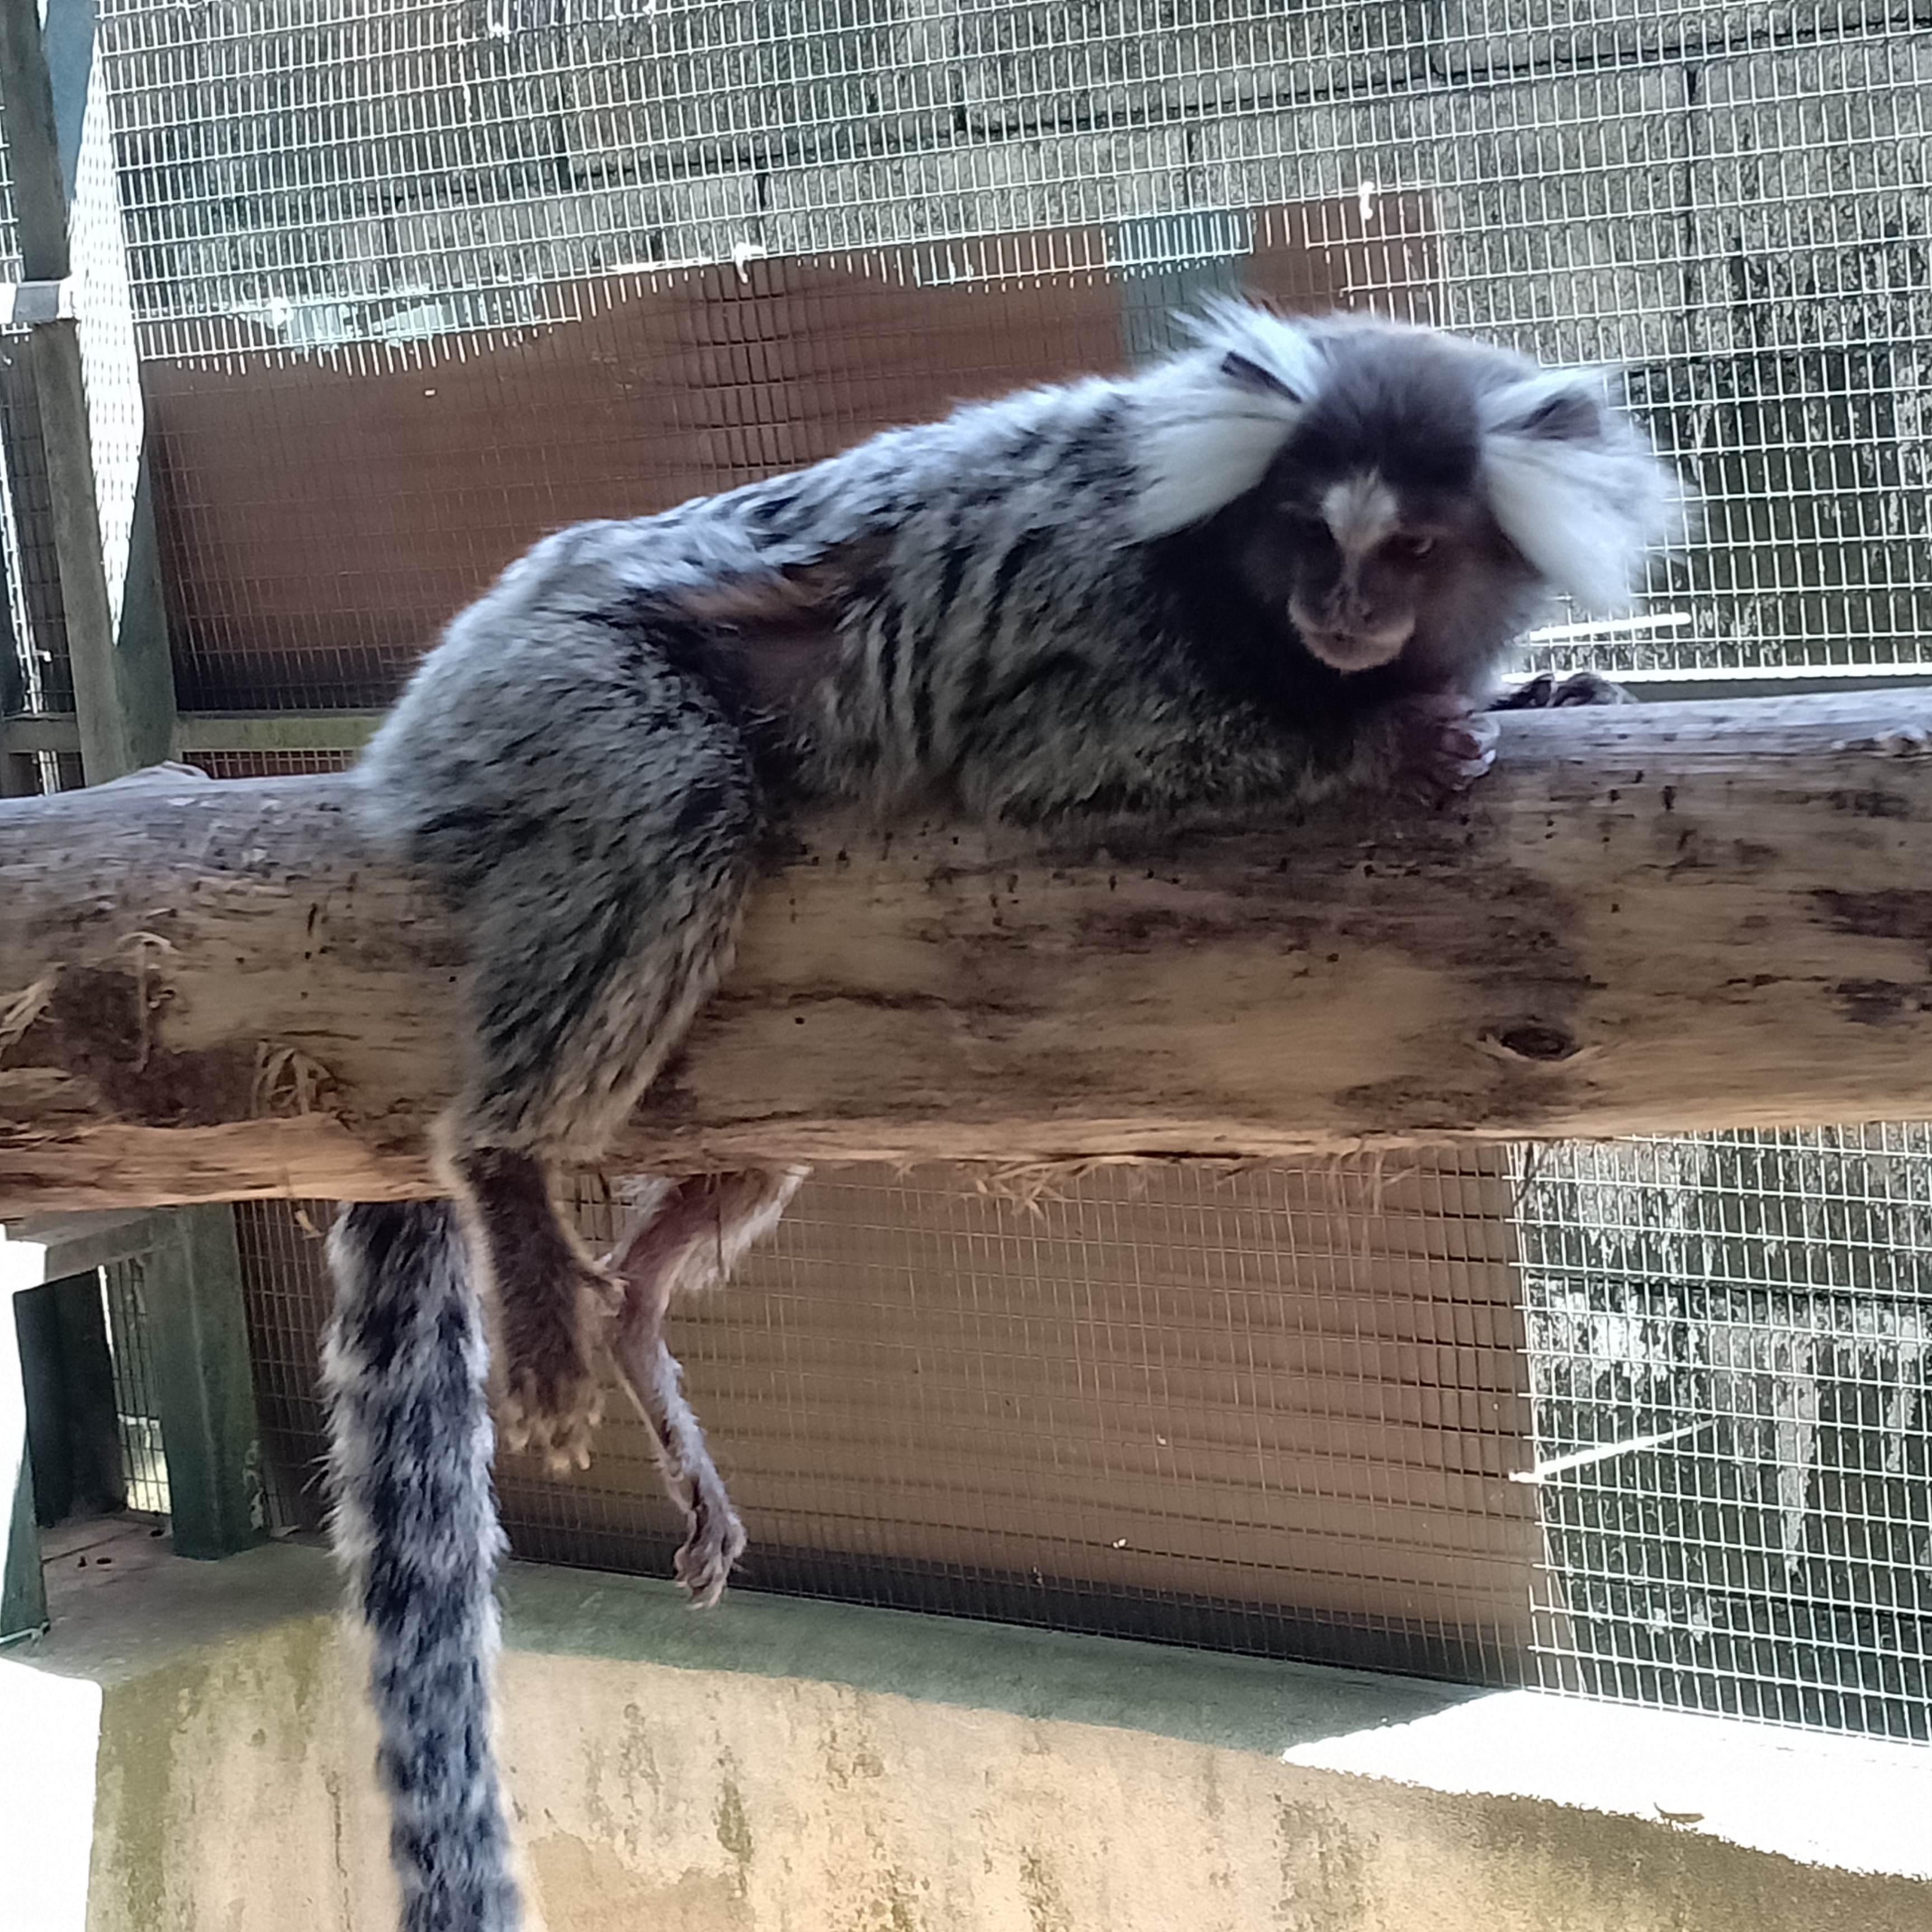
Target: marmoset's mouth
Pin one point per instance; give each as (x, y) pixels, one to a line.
(1354, 650)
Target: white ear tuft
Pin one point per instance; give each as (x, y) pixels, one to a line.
(1209, 424)
(1259, 349)
(1573, 485)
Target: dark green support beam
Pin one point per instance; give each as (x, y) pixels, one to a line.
(112, 740)
(74, 1432)
(124, 703)
(23, 1591)
(144, 662)
(33, 144)
(23, 1598)
(199, 1342)
(68, 48)
(124, 689)
(123, 677)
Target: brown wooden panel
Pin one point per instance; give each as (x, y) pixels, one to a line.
(321, 516)
(1298, 1387)
(308, 505)
(1275, 1409)
(1371, 251)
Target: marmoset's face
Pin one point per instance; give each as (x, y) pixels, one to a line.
(1356, 563)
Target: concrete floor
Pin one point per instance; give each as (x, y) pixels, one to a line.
(779, 1766)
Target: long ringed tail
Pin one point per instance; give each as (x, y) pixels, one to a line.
(414, 1522)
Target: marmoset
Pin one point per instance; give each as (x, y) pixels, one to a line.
(1283, 564)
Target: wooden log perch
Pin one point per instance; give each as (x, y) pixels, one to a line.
(1653, 917)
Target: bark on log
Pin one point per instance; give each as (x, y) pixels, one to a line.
(1647, 918)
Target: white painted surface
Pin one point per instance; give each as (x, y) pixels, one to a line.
(1856, 1804)
(49, 1727)
(22, 1264)
(50, 1731)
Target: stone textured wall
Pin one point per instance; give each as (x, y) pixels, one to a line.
(713, 1774)
(1730, 199)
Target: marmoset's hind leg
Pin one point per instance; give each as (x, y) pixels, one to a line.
(551, 1298)
(608, 912)
(692, 1234)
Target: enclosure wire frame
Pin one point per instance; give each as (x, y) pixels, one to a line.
(1730, 1350)
(1731, 203)
(137, 1405)
(307, 181)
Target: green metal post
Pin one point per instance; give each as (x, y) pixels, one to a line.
(123, 680)
(206, 1393)
(74, 1435)
(124, 695)
(23, 1596)
(23, 1591)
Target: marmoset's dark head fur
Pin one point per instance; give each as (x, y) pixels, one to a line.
(1414, 496)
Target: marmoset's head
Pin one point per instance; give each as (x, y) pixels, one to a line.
(1387, 490)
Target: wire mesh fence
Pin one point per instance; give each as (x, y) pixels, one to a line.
(137, 1404)
(1650, 1420)
(37, 675)
(97, 295)
(412, 283)
(1730, 1350)
(1732, 200)
(266, 764)
(1271, 1410)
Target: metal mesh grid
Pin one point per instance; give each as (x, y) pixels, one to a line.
(313, 584)
(1291, 1410)
(137, 1409)
(285, 1301)
(103, 307)
(1733, 199)
(10, 232)
(8, 220)
(1730, 1343)
(286, 1297)
(1271, 1412)
(268, 764)
(36, 615)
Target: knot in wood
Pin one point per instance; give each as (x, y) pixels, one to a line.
(1533, 1040)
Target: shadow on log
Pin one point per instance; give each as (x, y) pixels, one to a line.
(1647, 918)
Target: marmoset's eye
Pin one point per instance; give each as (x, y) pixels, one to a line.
(1415, 546)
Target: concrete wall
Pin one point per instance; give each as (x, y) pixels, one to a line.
(1731, 198)
(1579, 150)
(792, 1766)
